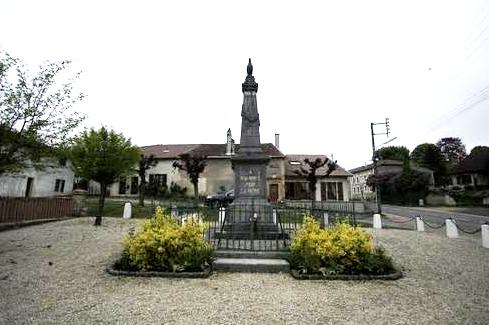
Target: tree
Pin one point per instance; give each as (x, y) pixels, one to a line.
(453, 150)
(310, 172)
(36, 117)
(479, 150)
(429, 155)
(405, 187)
(194, 165)
(394, 153)
(145, 163)
(103, 156)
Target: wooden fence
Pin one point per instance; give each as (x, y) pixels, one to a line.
(14, 210)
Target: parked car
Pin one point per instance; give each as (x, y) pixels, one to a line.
(220, 199)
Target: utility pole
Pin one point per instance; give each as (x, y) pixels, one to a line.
(375, 159)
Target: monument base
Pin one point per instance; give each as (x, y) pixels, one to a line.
(251, 218)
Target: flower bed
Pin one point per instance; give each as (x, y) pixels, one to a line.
(163, 247)
(339, 252)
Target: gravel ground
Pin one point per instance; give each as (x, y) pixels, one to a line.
(54, 274)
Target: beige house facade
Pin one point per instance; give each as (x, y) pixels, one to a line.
(282, 182)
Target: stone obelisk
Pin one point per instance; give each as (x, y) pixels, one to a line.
(250, 162)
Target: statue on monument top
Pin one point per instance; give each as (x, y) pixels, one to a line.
(250, 84)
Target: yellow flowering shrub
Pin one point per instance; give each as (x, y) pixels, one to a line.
(163, 244)
(341, 248)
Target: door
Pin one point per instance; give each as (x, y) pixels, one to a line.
(28, 188)
(273, 193)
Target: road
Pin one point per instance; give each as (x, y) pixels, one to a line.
(467, 221)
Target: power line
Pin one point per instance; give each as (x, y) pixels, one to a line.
(477, 97)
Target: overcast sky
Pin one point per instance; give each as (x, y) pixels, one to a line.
(171, 72)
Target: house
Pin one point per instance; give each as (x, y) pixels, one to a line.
(473, 170)
(55, 179)
(282, 182)
(334, 187)
(358, 182)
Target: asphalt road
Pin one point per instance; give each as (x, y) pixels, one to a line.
(467, 221)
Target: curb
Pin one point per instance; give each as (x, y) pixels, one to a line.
(178, 275)
(353, 277)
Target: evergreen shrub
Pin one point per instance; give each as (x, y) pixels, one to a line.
(340, 249)
(162, 244)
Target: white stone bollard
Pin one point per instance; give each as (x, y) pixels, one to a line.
(452, 231)
(127, 211)
(485, 235)
(377, 221)
(274, 216)
(326, 219)
(222, 215)
(419, 224)
(174, 211)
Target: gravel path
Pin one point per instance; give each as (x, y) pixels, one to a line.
(54, 274)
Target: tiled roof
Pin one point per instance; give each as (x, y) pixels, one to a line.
(294, 162)
(210, 150)
(168, 150)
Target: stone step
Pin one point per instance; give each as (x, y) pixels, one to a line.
(252, 265)
(252, 254)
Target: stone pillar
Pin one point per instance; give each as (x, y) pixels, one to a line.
(325, 219)
(485, 235)
(452, 231)
(127, 211)
(377, 221)
(419, 224)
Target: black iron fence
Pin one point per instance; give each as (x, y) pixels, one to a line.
(257, 227)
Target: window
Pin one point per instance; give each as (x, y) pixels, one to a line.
(332, 191)
(158, 179)
(122, 185)
(59, 185)
(297, 191)
(134, 185)
(464, 180)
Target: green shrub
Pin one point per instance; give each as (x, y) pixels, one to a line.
(163, 244)
(341, 249)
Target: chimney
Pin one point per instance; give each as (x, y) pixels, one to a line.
(277, 140)
(229, 143)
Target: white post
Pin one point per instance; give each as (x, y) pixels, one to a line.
(174, 211)
(127, 211)
(452, 231)
(222, 214)
(326, 219)
(274, 216)
(485, 235)
(419, 224)
(377, 221)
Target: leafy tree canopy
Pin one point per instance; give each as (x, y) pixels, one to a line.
(393, 152)
(429, 155)
(36, 116)
(453, 150)
(103, 156)
(479, 150)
